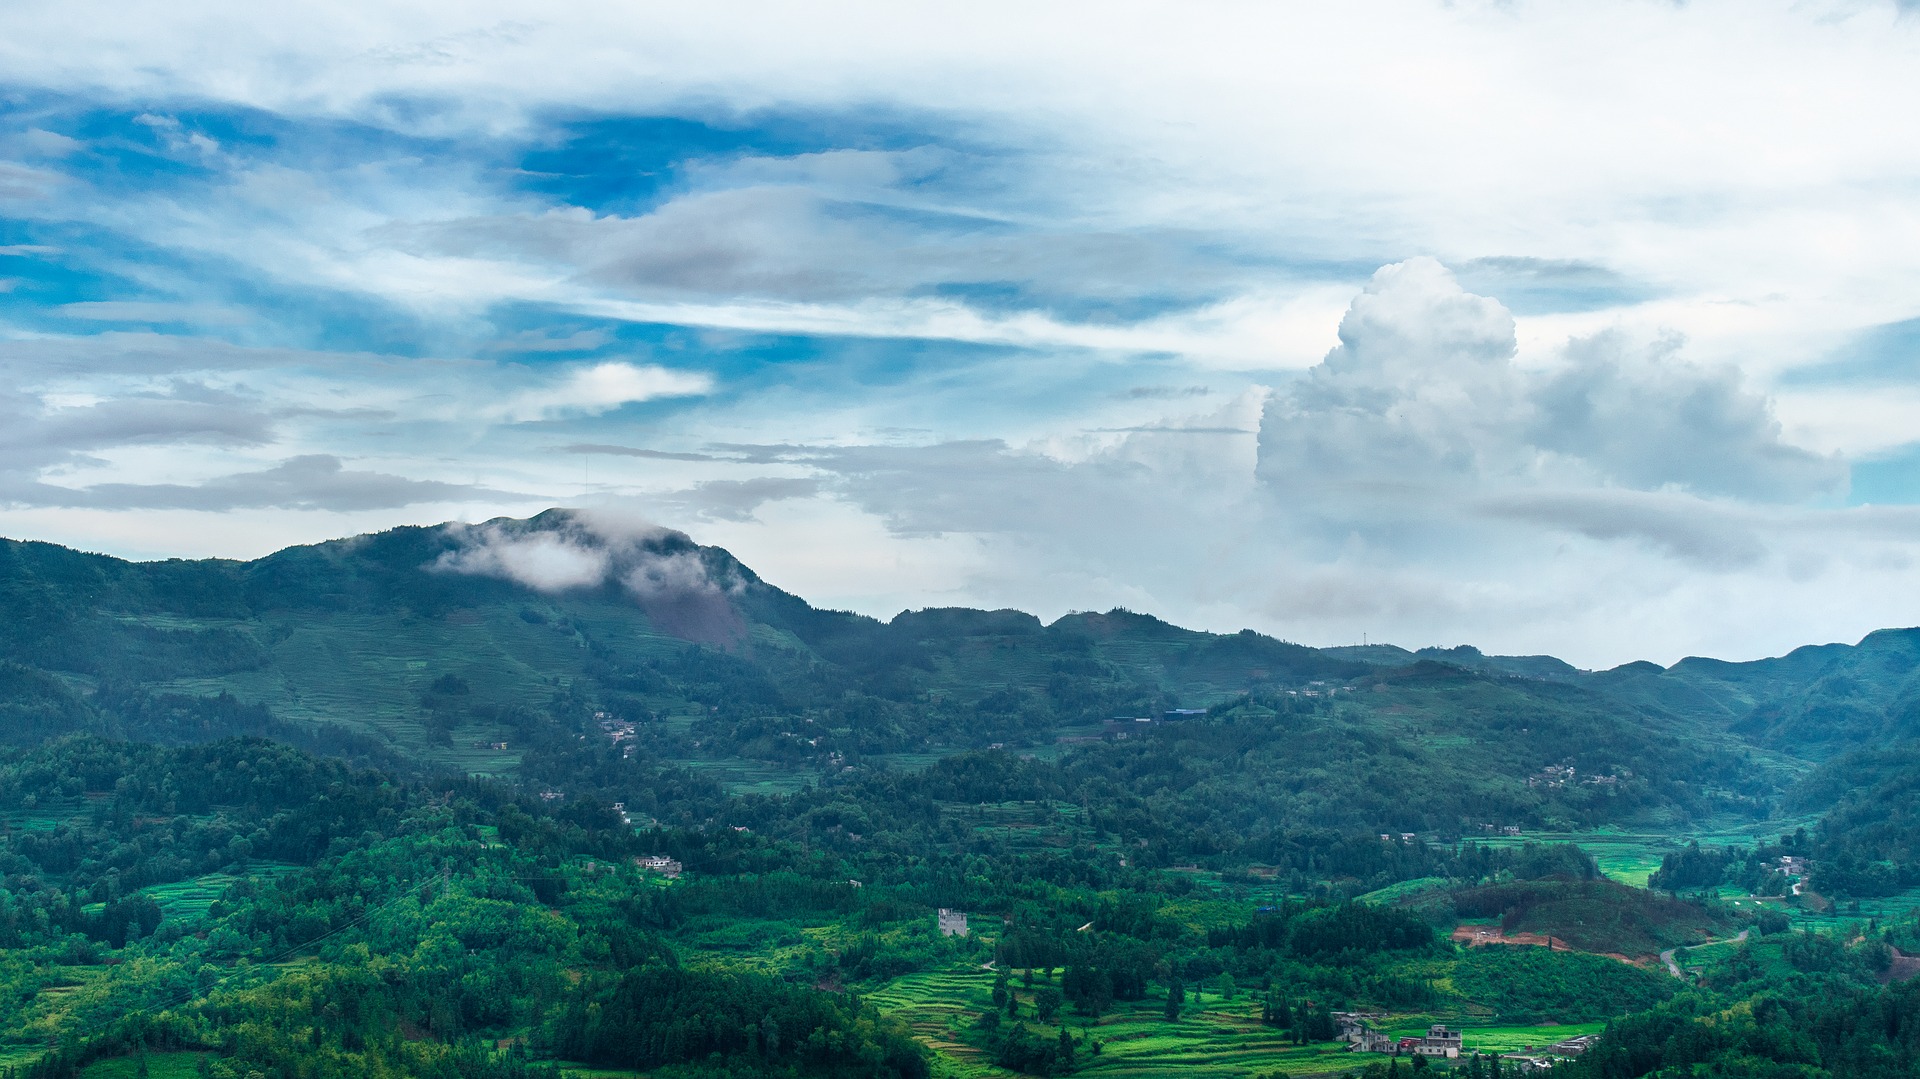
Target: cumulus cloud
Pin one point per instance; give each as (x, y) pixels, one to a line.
(1423, 398)
(1653, 421)
(1423, 476)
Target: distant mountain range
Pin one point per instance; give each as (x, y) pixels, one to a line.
(462, 647)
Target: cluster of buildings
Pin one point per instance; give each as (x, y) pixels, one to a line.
(1319, 689)
(1360, 1035)
(1560, 775)
(661, 864)
(1122, 726)
(1357, 1029)
(617, 730)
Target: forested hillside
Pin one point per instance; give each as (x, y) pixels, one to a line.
(386, 806)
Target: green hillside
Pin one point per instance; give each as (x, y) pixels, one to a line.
(377, 806)
(391, 645)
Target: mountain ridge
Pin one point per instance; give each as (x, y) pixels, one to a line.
(464, 644)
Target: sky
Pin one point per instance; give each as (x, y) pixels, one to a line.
(1590, 329)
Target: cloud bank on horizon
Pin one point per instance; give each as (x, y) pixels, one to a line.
(1588, 329)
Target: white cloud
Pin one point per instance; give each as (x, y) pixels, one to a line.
(1423, 398)
(670, 579)
(543, 561)
(600, 388)
(1720, 183)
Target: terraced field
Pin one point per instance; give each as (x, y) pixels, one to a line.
(1223, 1042)
(188, 900)
(1217, 1041)
(936, 1005)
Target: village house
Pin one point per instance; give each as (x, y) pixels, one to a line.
(1439, 1042)
(661, 864)
(1574, 1046)
(952, 923)
(1357, 1030)
(1372, 1041)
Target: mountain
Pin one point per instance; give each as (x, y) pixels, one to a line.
(481, 648)
(612, 801)
(391, 634)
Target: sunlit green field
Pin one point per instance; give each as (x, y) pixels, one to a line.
(1496, 1039)
(1629, 858)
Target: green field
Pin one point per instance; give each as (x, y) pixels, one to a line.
(189, 900)
(1497, 1039)
(1215, 1038)
(575, 1070)
(159, 1066)
(1631, 857)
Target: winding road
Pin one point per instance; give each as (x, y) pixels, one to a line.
(1674, 968)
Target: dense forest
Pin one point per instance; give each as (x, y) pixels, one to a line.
(381, 807)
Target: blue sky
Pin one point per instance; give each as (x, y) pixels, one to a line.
(1585, 330)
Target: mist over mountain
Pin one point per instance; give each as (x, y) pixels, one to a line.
(642, 623)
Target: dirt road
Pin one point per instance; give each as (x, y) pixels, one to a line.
(1674, 968)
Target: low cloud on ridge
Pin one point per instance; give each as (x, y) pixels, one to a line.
(571, 551)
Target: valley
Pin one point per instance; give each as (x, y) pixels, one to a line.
(383, 806)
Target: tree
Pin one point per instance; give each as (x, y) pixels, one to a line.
(770, 1037)
(1176, 996)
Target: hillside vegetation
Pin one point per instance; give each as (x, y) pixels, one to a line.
(381, 806)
